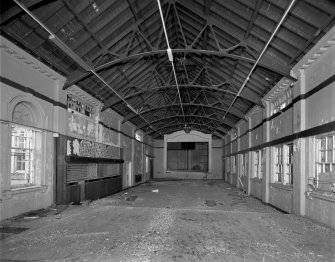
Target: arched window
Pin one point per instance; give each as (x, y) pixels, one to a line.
(25, 147)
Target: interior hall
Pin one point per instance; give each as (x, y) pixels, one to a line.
(165, 130)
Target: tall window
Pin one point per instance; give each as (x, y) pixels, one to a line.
(289, 164)
(23, 141)
(325, 158)
(187, 156)
(233, 164)
(258, 164)
(278, 164)
(244, 164)
(283, 164)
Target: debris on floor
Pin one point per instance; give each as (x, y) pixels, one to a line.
(28, 217)
(210, 203)
(131, 198)
(155, 190)
(60, 209)
(8, 231)
(184, 222)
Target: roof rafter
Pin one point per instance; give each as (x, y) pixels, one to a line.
(266, 62)
(235, 112)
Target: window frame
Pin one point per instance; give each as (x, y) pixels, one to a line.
(283, 164)
(326, 151)
(258, 164)
(30, 153)
(288, 173)
(278, 164)
(184, 161)
(319, 184)
(244, 164)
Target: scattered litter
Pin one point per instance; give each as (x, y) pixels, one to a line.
(86, 202)
(210, 203)
(12, 230)
(155, 190)
(126, 193)
(138, 199)
(131, 198)
(60, 209)
(77, 203)
(228, 188)
(30, 217)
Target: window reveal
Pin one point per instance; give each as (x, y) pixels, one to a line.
(23, 141)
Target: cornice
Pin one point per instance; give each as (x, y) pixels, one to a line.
(23, 57)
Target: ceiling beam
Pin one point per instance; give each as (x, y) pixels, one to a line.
(235, 112)
(258, 6)
(174, 117)
(115, 100)
(267, 62)
(203, 128)
(15, 11)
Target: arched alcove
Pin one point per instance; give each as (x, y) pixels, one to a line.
(189, 143)
(23, 114)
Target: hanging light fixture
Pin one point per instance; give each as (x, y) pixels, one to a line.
(187, 129)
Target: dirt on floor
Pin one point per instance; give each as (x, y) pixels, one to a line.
(168, 221)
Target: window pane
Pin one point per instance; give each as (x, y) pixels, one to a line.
(330, 156)
(323, 143)
(327, 167)
(22, 156)
(323, 156)
(320, 168)
(330, 142)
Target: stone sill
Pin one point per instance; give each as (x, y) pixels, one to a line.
(28, 189)
(281, 186)
(310, 196)
(7, 194)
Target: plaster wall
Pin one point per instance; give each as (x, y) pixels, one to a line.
(16, 201)
(25, 70)
(227, 146)
(281, 125)
(217, 172)
(234, 147)
(244, 141)
(322, 66)
(257, 136)
(321, 209)
(256, 117)
(256, 188)
(320, 108)
(281, 197)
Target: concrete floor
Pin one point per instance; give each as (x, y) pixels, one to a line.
(183, 221)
